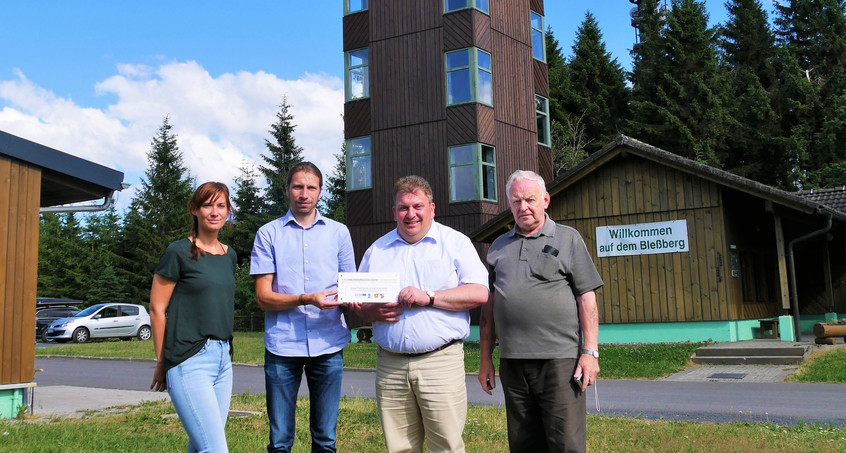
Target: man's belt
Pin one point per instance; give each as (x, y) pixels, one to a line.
(418, 354)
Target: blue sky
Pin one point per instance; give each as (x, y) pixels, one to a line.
(96, 78)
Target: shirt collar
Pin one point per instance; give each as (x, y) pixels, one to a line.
(548, 229)
(289, 217)
(432, 235)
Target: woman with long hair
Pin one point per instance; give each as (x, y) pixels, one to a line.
(192, 314)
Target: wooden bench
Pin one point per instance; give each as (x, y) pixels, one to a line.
(769, 328)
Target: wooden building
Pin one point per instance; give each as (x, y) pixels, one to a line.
(452, 90)
(690, 252)
(32, 176)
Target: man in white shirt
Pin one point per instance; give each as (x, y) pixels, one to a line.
(420, 388)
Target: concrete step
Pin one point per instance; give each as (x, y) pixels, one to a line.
(786, 351)
(751, 353)
(748, 360)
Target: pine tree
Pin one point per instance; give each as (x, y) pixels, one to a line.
(61, 255)
(559, 80)
(284, 154)
(757, 150)
(336, 189)
(158, 214)
(106, 286)
(649, 62)
(687, 114)
(248, 216)
(598, 93)
(813, 35)
(106, 269)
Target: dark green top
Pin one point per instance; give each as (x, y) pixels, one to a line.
(203, 302)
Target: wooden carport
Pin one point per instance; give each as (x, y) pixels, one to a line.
(32, 176)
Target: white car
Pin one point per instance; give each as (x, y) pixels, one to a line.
(114, 320)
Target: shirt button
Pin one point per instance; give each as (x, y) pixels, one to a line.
(306, 261)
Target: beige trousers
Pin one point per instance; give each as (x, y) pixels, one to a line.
(423, 397)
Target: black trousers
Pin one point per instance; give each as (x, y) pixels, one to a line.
(545, 408)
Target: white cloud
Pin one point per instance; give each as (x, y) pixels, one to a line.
(220, 121)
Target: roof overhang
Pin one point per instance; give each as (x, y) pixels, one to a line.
(64, 178)
(623, 146)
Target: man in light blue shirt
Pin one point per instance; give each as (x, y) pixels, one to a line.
(420, 386)
(295, 263)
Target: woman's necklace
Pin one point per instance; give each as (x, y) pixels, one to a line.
(206, 249)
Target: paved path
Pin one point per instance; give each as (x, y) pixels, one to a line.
(67, 384)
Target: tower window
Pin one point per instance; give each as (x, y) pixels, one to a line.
(472, 172)
(468, 76)
(359, 173)
(455, 5)
(354, 6)
(357, 74)
(538, 38)
(542, 115)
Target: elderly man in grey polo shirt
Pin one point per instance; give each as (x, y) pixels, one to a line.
(542, 308)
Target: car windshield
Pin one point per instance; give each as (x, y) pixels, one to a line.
(88, 311)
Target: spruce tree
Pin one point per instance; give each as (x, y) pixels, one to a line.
(559, 81)
(335, 197)
(284, 154)
(248, 216)
(158, 214)
(649, 62)
(813, 35)
(107, 270)
(687, 114)
(61, 255)
(598, 93)
(757, 150)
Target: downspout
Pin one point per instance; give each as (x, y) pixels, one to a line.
(794, 293)
(107, 203)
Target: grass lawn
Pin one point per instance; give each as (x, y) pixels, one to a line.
(144, 429)
(646, 361)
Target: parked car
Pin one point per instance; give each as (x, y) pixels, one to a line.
(112, 320)
(45, 316)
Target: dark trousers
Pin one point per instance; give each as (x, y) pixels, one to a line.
(544, 407)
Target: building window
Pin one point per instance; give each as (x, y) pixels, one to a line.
(354, 6)
(472, 172)
(455, 5)
(468, 76)
(542, 114)
(357, 74)
(358, 163)
(538, 39)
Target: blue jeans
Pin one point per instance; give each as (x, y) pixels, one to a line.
(282, 376)
(200, 389)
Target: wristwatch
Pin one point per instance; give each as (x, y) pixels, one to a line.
(592, 352)
(431, 295)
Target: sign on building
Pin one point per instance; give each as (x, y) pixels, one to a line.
(642, 238)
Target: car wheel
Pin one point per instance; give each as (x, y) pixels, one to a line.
(81, 335)
(44, 338)
(144, 333)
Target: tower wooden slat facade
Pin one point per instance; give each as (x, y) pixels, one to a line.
(407, 117)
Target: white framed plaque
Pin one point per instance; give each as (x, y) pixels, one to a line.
(368, 287)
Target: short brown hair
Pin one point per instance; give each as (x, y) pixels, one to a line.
(411, 184)
(307, 167)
